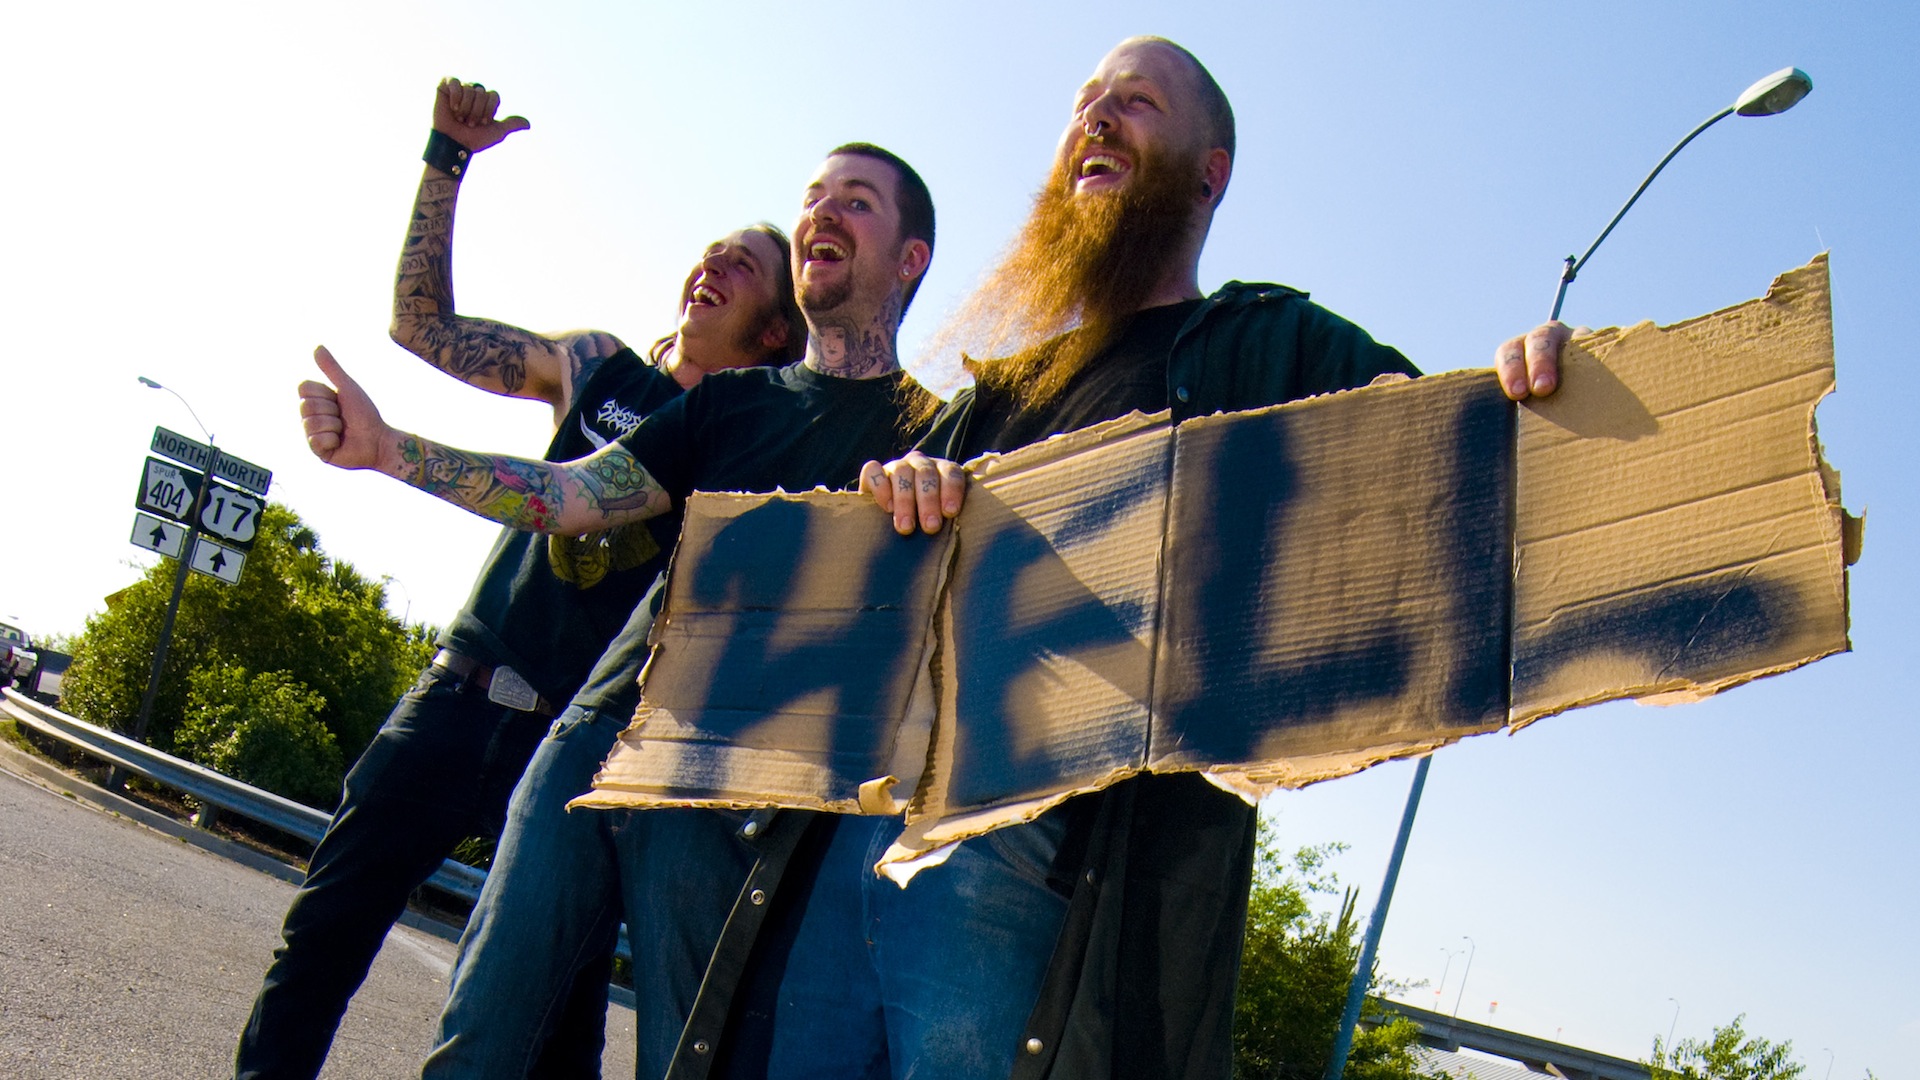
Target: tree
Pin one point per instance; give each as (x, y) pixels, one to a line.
(1728, 1054)
(1294, 973)
(318, 623)
(262, 729)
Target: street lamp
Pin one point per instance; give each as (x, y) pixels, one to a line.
(1468, 970)
(151, 385)
(179, 586)
(1776, 93)
(1444, 968)
(389, 579)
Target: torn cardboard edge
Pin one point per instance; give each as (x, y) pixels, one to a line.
(1729, 566)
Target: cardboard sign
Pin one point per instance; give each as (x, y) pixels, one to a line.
(1271, 598)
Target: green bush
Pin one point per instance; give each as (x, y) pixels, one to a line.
(1294, 973)
(262, 729)
(295, 610)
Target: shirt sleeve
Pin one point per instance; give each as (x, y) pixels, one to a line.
(1338, 355)
(665, 443)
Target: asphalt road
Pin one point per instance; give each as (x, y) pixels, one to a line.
(125, 952)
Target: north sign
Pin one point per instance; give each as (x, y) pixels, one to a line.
(168, 490)
(204, 458)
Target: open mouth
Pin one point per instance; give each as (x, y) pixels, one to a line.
(1100, 163)
(825, 250)
(706, 296)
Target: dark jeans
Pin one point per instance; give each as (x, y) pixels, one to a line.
(870, 981)
(441, 769)
(561, 881)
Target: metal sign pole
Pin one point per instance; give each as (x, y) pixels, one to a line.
(1362, 974)
(173, 609)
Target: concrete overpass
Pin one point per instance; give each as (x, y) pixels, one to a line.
(1440, 1032)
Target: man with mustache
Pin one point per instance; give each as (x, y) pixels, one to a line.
(861, 245)
(443, 765)
(1095, 312)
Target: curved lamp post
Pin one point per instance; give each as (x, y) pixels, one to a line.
(1444, 968)
(1776, 93)
(1471, 948)
(151, 385)
(179, 586)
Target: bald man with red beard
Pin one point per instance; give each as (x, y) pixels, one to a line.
(1095, 312)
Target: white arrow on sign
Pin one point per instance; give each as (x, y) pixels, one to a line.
(216, 560)
(155, 535)
(230, 514)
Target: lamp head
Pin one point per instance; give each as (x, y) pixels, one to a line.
(149, 383)
(1776, 93)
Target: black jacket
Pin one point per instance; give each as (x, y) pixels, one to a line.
(1156, 868)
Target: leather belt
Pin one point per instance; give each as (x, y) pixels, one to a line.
(503, 685)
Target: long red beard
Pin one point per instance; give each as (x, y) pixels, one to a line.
(1079, 264)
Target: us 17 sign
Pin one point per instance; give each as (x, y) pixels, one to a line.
(231, 514)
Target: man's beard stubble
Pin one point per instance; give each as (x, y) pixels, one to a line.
(822, 298)
(1079, 264)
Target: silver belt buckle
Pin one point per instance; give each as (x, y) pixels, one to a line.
(509, 689)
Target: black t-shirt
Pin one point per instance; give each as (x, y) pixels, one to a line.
(758, 429)
(548, 606)
(753, 429)
(1129, 374)
(613, 686)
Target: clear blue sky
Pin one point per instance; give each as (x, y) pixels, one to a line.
(201, 193)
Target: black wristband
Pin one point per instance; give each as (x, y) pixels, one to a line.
(445, 153)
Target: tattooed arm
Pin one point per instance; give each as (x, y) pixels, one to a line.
(492, 355)
(602, 490)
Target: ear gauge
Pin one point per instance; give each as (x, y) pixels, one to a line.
(1206, 190)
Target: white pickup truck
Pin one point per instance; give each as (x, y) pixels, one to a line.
(17, 657)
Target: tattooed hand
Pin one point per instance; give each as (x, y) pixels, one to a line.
(343, 427)
(465, 112)
(928, 488)
(1529, 365)
(605, 489)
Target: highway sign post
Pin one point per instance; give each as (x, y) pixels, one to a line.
(203, 456)
(231, 514)
(195, 502)
(216, 560)
(168, 490)
(164, 537)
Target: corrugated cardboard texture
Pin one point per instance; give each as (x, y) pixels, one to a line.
(790, 662)
(1346, 590)
(1273, 597)
(1676, 534)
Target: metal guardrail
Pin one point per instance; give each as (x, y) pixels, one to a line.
(206, 786)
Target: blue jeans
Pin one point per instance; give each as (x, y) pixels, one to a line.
(552, 905)
(440, 769)
(933, 981)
